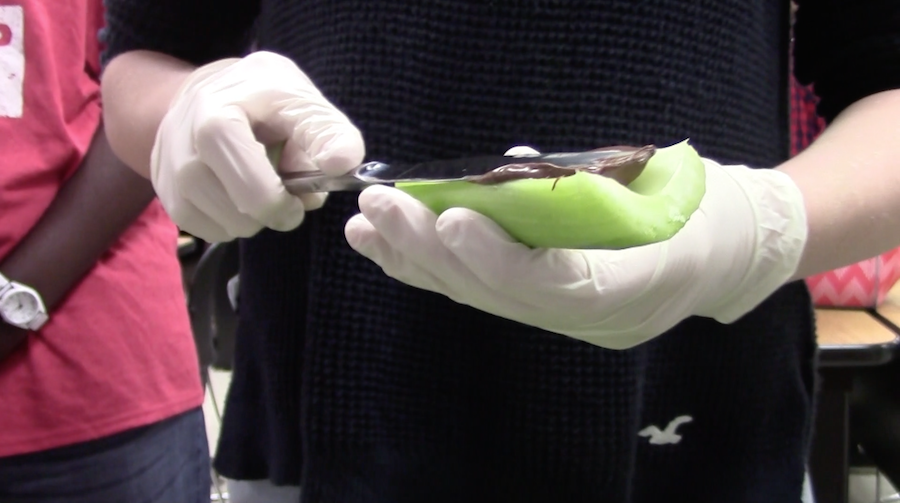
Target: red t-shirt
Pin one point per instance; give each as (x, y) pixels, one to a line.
(118, 353)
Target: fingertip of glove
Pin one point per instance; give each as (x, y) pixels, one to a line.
(314, 201)
(452, 225)
(449, 221)
(357, 230)
(286, 216)
(375, 198)
(457, 222)
(370, 194)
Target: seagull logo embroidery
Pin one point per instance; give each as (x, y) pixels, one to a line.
(667, 436)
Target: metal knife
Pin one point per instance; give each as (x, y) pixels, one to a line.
(371, 173)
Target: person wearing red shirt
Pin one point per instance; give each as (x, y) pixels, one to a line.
(100, 390)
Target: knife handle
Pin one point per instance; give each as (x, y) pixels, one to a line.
(308, 182)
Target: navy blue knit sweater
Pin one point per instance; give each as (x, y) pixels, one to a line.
(362, 389)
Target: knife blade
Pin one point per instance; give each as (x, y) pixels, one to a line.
(375, 172)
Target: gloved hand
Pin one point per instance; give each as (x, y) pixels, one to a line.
(209, 165)
(743, 242)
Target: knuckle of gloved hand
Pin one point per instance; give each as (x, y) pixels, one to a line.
(265, 63)
(179, 210)
(209, 130)
(315, 117)
(271, 59)
(189, 178)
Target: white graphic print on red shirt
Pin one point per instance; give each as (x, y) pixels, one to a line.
(12, 60)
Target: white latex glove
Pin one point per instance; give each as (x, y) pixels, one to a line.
(209, 165)
(743, 243)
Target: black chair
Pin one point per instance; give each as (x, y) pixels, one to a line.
(875, 418)
(213, 319)
(214, 322)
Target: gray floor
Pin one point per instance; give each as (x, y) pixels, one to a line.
(864, 484)
(220, 381)
(868, 487)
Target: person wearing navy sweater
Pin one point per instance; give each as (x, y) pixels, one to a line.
(389, 354)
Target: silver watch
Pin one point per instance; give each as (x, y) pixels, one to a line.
(21, 306)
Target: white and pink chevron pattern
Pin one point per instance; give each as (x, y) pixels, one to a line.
(863, 284)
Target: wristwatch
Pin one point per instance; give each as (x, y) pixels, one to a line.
(21, 306)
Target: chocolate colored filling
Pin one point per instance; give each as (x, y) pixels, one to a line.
(623, 169)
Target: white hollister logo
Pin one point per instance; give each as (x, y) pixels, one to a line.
(667, 436)
(12, 60)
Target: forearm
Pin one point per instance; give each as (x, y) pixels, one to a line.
(93, 208)
(150, 48)
(850, 181)
(137, 89)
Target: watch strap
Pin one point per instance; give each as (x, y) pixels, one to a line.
(38, 321)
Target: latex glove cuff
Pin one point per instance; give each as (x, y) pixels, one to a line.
(781, 234)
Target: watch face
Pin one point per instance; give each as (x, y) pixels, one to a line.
(19, 307)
